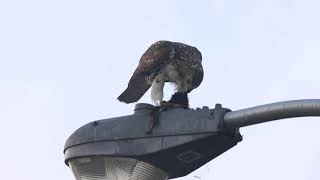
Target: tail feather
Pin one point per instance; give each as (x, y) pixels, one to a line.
(136, 88)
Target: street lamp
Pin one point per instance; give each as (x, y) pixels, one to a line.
(149, 145)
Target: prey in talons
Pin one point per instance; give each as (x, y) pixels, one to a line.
(178, 100)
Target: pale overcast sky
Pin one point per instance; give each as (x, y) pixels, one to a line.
(64, 62)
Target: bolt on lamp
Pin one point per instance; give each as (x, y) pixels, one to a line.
(177, 142)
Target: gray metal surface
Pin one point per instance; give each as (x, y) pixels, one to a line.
(274, 111)
(173, 122)
(181, 141)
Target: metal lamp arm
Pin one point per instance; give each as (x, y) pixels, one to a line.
(271, 112)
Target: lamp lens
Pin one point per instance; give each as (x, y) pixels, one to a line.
(113, 168)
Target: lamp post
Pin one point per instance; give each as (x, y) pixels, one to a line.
(149, 145)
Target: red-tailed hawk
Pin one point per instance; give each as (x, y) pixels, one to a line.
(165, 61)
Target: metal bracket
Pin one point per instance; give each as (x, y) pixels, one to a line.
(218, 114)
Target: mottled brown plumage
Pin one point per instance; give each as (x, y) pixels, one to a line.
(165, 61)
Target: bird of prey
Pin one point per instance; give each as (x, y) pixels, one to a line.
(166, 61)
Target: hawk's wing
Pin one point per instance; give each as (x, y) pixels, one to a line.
(157, 55)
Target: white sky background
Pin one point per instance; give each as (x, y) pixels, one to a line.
(63, 63)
